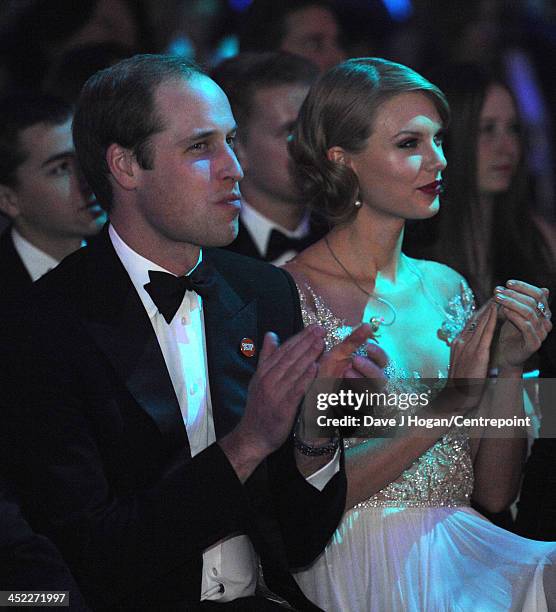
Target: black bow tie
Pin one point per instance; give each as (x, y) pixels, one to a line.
(167, 290)
(279, 243)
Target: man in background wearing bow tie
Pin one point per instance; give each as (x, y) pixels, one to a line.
(150, 406)
(266, 91)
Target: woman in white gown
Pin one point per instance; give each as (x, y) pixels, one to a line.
(367, 149)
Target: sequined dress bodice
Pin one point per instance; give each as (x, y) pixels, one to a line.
(443, 475)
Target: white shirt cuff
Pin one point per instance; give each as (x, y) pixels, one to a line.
(322, 476)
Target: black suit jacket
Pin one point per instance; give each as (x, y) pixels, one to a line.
(110, 478)
(15, 281)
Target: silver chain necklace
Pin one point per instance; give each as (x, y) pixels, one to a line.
(375, 322)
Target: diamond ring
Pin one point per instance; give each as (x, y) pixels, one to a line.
(541, 310)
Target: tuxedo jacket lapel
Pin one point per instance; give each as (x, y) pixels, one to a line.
(121, 328)
(228, 320)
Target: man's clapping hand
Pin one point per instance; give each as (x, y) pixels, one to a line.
(283, 375)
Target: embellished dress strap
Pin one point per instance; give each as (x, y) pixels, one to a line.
(315, 310)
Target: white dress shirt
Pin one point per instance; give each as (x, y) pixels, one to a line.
(260, 228)
(36, 262)
(229, 566)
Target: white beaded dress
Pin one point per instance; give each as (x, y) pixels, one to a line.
(417, 545)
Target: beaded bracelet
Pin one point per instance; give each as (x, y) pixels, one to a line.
(316, 451)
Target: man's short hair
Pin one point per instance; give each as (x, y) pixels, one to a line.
(264, 26)
(17, 113)
(116, 105)
(243, 75)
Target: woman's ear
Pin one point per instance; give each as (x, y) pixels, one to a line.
(339, 156)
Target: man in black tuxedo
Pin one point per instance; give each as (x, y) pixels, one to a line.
(266, 91)
(50, 208)
(157, 407)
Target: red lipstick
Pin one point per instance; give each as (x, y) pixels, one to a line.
(434, 188)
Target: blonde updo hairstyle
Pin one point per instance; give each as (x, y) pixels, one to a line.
(339, 112)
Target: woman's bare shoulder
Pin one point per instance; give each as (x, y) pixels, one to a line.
(446, 281)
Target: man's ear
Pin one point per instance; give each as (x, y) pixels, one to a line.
(123, 166)
(8, 202)
(241, 154)
(339, 156)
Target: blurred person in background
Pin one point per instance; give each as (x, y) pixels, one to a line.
(266, 91)
(50, 207)
(486, 228)
(70, 71)
(37, 33)
(308, 28)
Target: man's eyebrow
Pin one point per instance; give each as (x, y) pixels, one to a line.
(202, 134)
(58, 157)
(196, 136)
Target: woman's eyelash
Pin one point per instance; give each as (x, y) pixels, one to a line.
(411, 143)
(408, 144)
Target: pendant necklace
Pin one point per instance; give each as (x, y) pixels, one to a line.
(376, 321)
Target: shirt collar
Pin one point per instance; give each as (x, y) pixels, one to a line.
(36, 261)
(260, 227)
(138, 268)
